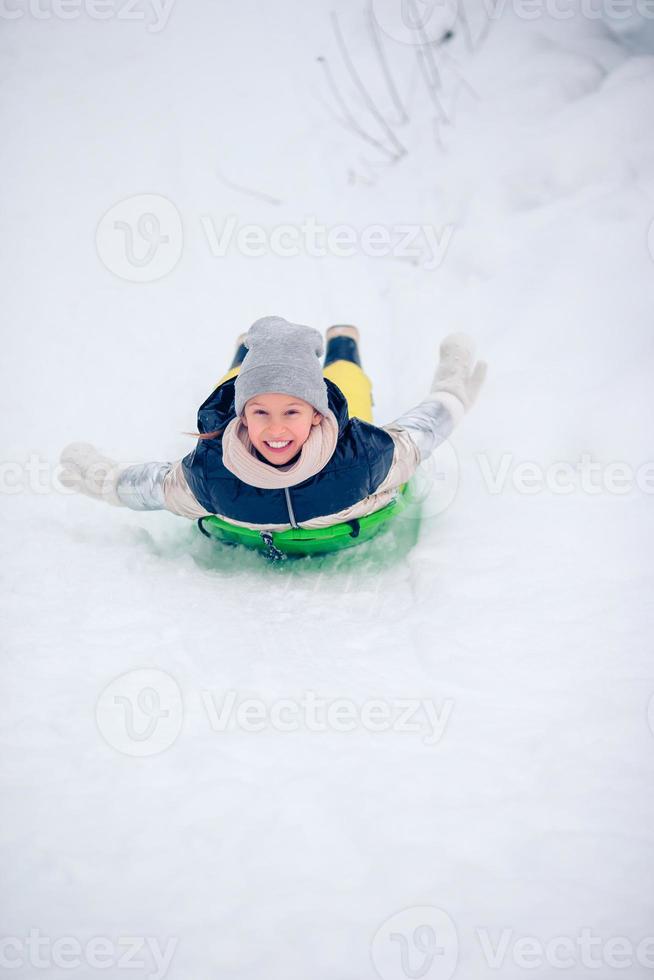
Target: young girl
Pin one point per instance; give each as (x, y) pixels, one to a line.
(285, 442)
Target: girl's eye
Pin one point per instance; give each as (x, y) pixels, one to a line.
(262, 411)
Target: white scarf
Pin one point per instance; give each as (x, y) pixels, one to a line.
(239, 458)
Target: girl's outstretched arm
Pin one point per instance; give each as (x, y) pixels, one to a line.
(420, 430)
(141, 486)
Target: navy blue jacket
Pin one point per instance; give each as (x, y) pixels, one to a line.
(360, 463)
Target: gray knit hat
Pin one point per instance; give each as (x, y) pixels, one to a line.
(282, 357)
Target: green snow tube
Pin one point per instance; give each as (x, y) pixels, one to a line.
(305, 541)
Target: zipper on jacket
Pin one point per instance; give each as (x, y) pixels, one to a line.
(289, 507)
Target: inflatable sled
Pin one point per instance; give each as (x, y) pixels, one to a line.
(306, 541)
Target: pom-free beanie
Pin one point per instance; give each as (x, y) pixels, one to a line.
(283, 357)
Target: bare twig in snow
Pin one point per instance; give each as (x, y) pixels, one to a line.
(462, 16)
(429, 52)
(401, 150)
(437, 135)
(260, 195)
(372, 165)
(490, 11)
(420, 56)
(370, 170)
(456, 69)
(350, 122)
(379, 48)
(356, 178)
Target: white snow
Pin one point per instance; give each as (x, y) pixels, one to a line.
(523, 619)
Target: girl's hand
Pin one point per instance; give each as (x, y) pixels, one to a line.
(455, 373)
(87, 471)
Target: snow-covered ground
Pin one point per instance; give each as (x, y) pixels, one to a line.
(287, 838)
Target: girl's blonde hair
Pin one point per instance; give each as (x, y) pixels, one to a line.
(204, 435)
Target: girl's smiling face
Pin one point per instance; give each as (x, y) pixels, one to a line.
(278, 425)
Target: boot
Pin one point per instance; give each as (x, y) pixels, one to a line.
(240, 352)
(342, 344)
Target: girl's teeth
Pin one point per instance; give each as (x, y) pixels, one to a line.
(279, 445)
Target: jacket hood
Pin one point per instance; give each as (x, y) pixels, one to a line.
(219, 408)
